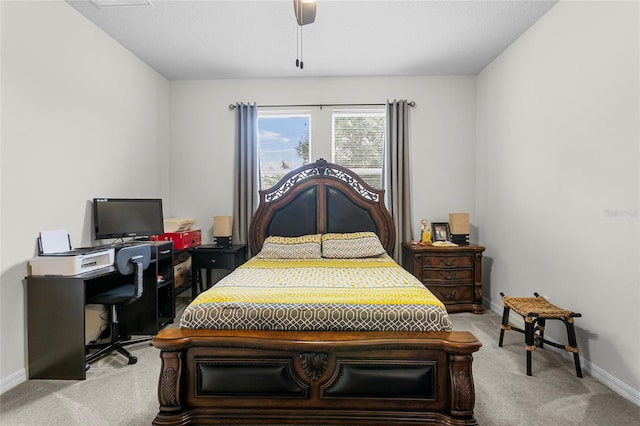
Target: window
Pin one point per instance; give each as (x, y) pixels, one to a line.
(283, 141)
(352, 138)
(358, 143)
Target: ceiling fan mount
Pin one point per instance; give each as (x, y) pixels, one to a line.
(305, 11)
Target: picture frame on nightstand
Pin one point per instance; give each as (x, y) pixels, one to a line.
(440, 231)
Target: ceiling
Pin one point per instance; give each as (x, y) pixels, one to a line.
(217, 39)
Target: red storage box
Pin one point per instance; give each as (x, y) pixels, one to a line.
(181, 240)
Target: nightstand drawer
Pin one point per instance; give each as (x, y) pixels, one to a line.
(452, 293)
(446, 261)
(211, 260)
(453, 275)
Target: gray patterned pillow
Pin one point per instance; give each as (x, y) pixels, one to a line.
(304, 247)
(352, 245)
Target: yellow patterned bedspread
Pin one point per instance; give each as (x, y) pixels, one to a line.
(372, 294)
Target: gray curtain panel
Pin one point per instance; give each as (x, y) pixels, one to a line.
(247, 171)
(396, 173)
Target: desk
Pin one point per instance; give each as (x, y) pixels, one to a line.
(209, 257)
(56, 313)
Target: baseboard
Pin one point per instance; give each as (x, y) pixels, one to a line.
(612, 382)
(13, 380)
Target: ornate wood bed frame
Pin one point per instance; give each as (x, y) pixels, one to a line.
(319, 377)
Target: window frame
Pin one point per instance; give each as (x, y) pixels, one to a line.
(322, 130)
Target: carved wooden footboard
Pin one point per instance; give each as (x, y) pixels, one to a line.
(258, 377)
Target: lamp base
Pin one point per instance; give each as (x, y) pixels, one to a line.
(224, 242)
(460, 239)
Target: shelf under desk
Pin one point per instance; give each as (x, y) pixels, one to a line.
(56, 314)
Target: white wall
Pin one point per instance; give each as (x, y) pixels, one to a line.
(81, 118)
(555, 197)
(442, 137)
(558, 177)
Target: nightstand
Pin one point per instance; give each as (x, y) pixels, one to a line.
(209, 257)
(452, 274)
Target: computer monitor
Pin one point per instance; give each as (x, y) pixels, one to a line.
(127, 217)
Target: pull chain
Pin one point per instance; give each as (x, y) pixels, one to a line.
(297, 47)
(299, 29)
(301, 21)
(301, 63)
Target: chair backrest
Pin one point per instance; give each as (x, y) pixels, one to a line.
(134, 259)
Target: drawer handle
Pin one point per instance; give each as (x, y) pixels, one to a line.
(449, 296)
(165, 251)
(448, 261)
(448, 275)
(213, 261)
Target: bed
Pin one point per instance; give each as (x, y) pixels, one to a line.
(408, 368)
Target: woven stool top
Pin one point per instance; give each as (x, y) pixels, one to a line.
(539, 306)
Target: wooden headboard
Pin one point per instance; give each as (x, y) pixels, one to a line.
(319, 198)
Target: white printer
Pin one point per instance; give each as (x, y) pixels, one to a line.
(56, 256)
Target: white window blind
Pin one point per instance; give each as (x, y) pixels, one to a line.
(358, 143)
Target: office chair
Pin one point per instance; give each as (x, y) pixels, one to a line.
(129, 260)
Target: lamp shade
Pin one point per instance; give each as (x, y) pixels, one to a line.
(222, 226)
(459, 223)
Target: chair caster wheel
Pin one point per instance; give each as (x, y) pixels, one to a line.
(87, 367)
(133, 359)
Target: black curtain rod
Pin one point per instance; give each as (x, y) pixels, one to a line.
(232, 106)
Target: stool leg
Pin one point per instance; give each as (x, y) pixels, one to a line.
(528, 338)
(505, 324)
(573, 343)
(541, 326)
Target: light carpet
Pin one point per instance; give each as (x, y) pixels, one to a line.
(116, 393)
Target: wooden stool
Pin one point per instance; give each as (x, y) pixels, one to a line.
(535, 311)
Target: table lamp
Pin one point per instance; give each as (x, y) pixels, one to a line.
(222, 230)
(459, 228)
